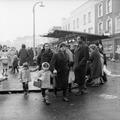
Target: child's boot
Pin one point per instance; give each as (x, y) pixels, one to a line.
(47, 100)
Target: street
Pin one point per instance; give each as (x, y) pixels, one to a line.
(101, 103)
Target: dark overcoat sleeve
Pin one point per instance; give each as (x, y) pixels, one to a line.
(86, 56)
(53, 62)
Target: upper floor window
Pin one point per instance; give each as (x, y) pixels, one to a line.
(117, 24)
(73, 24)
(77, 22)
(84, 19)
(108, 6)
(89, 17)
(90, 30)
(84, 30)
(100, 10)
(100, 27)
(68, 26)
(109, 25)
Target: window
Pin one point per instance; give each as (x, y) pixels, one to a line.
(68, 26)
(100, 28)
(77, 22)
(84, 30)
(84, 19)
(117, 24)
(73, 24)
(100, 10)
(90, 30)
(89, 17)
(108, 6)
(109, 25)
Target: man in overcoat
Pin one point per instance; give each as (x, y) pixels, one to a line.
(80, 64)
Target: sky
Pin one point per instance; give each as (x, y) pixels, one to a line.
(16, 16)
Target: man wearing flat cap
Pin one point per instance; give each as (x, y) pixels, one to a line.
(80, 64)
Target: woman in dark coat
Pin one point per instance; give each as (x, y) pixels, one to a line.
(95, 65)
(45, 55)
(23, 55)
(31, 56)
(60, 63)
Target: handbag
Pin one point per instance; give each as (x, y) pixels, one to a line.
(71, 77)
(37, 83)
(106, 70)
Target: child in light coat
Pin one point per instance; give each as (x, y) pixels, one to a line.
(5, 62)
(25, 77)
(45, 75)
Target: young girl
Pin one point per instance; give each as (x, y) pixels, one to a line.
(44, 75)
(4, 61)
(25, 77)
(15, 64)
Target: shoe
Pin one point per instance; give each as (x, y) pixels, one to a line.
(47, 102)
(84, 92)
(78, 93)
(43, 100)
(65, 99)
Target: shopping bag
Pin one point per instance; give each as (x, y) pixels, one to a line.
(37, 83)
(71, 76)
(107, 72)
(3, 78)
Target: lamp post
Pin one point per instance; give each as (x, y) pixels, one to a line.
(41, 5)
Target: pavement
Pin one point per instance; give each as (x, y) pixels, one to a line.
(101, 103)
(12, 84)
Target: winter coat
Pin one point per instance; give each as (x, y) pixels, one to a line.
(45, 77)
(60, 63)
(44, 56)
(31, 55)
(23, 56)
(80, 63)
(96, 65)
(24, 75)
(15, 61)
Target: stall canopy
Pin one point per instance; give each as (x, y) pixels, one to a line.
(65, 34)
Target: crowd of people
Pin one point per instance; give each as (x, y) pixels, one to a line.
(61, 67)
(85, 63)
